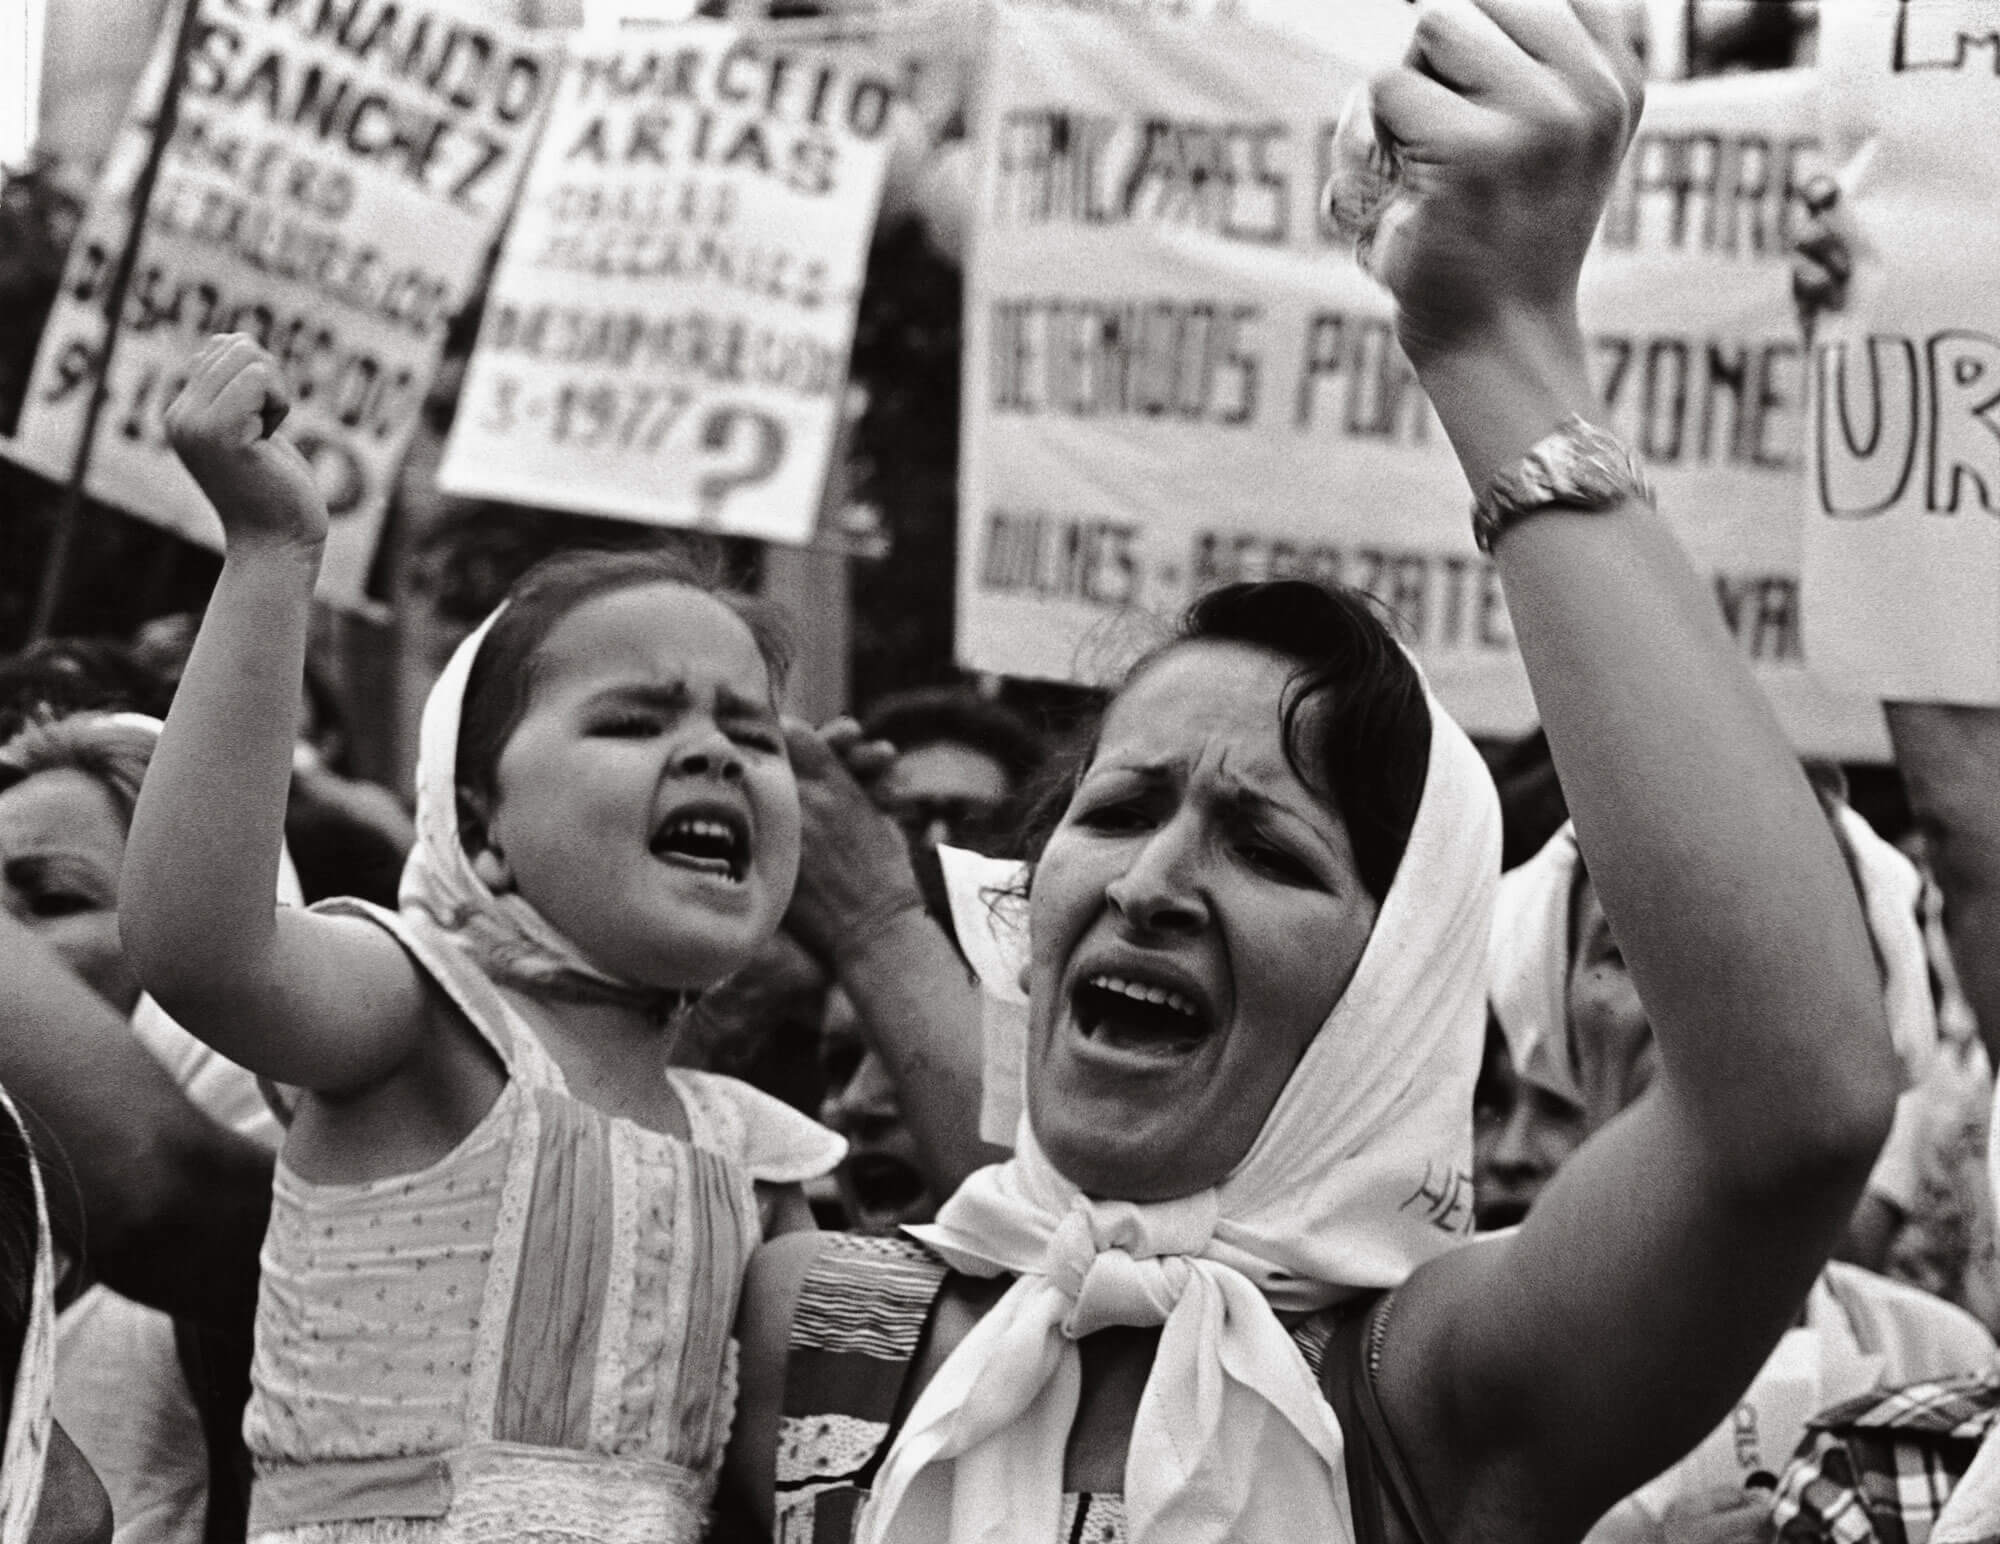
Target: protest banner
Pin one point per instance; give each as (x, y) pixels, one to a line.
(335, 180)
(1902, 548)
(1175, 375)
(1686, 300)
(668, 332)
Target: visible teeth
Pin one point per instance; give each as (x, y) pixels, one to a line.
(1160, 996)
(708, 828)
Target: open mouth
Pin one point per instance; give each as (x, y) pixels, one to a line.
(882, 1184)
(1146, 1017)
(714, 842)
(1503, 1213)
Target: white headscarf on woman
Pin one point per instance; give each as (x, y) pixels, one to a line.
(30, 1411)
(1359, 1176)
(1532, 950)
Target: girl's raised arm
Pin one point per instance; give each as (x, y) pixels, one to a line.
(1548, 1374)
(328, 1004)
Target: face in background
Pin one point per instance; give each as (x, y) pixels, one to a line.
(882, 1185)
(62, 846)
(646, 805)
(1194, 918)
(1521, 1134)
(945, 792)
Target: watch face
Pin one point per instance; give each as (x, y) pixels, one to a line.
(1594, 484)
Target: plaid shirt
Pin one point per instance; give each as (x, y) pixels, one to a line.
(1879, 1469)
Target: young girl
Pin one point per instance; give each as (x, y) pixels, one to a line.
(506, 1242)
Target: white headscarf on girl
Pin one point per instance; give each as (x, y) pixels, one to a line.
(503, 933)
(1359, 1176)
(30, 1412)
(1532, 948)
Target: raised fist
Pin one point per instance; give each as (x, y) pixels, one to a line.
(224, 427)
(1508, 119)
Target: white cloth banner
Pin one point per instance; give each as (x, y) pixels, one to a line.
(1697, 352)
(336, 179)
(1902, 544)
(667, 336)
(1175, 377)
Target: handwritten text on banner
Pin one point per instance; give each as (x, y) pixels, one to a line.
(336, 178)
(1176, 377)
(668, 332)
(1903, 508)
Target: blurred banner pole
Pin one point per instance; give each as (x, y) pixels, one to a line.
(21, 34)
(62, 540)
(1669, 26)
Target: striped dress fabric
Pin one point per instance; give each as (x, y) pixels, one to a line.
(528, 1340)
(860, 1319)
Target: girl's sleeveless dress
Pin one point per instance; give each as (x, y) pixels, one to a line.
(529, 1339)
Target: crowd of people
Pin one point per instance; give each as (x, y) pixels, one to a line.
(599, 1146)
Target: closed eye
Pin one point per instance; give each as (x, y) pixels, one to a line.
(1278, 864)
(758, 738)
(628, 726)
(1114, 817)
(60, 903)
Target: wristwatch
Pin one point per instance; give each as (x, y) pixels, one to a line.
(1577, 467)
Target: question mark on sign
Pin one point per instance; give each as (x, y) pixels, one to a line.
(717, 430)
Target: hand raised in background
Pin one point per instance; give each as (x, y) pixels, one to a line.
(1823, 255)
(224, 427)
(854, 865)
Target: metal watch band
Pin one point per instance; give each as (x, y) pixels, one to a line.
(1577, 466)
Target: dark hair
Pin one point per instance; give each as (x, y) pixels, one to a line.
(1367, 753)
(19, 1238)
(957, 715)
(502, 679)
(77, 675)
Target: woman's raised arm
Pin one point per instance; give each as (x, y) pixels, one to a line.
(162, 1204)
(1549, 1373)
(858, 907)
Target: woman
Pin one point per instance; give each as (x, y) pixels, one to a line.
(48, 1493)
(1256, 1001)
(68, 787)
(176, 1223)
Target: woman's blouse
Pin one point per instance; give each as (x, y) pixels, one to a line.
(857, 1329)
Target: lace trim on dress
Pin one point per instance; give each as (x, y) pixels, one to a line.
(365, 1530)
(608, 1385)
(482, 1396)
(503, 1494)
(766, 1136)
(825, 1447)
